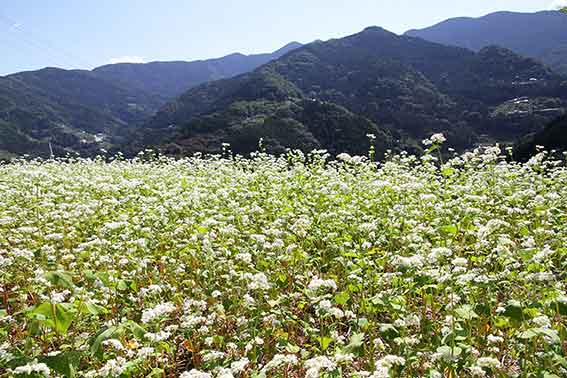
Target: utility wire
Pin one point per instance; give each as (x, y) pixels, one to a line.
(12, 45)
(26, 35)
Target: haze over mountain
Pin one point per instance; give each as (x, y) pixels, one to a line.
(330, 94)
(170, 79)
(541, 35)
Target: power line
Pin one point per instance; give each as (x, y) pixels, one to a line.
(45, 46)
(18, 46)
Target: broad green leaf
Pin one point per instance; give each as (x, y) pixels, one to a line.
(450, 229)
(93, 309)
(342, 298)
(136, 329)
(529, 334)
(324, 342)
(122, 285)
(61, 279)
(449, 353)
(466, 312)
(63, 363)
(514, 311)
(103, 335)
(291, 348)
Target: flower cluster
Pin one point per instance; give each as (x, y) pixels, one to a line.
(291, 266)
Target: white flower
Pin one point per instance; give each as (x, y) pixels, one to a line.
(316, 364)
(224, 373)
(390, 360)
(116, 344)
(113, 368)
(259, 281)
(157, 337)
(280, 360)
(158, 311)
(317, 283)
(240, 365)
(492, 339)
(343, 357)
(488, 362)
(438, 138)
(212, 355)
(145, 352)
(195, 374)
(32, 367)
(477, 371)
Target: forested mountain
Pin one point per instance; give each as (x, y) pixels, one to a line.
(541, 35)
(170, 79)
(552, 137)
(398, 87)
(73, 110)
(82, 111)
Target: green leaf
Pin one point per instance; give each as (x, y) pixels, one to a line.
(61, 279)
(291, 348)
(93, 309)
(448, 352)
(41, 311)
(103, 335)
(450, 229)
(552, 334)
(514, 311)
(466, 312)
(63, 363)
(356, 342)
(122, 285)
(324, 342)
(388, 331)
(342, 298)
(55, 316)
(156, 373)
(64, 316)
(136, 329)
(529, 334)
(448, 171)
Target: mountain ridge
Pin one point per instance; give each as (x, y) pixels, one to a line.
(405, 86)
(544, 36)
(168, 79)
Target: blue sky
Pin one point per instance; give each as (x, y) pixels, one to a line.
(88, 33)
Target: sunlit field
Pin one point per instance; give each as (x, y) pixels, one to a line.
(291, 266)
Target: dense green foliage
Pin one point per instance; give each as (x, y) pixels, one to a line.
(541, 35)
(296, 266)
(407, 87)
(68, 109)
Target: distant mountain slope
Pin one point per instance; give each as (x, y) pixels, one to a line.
(541, 35)
(405, 87)
(73, 110)
(170, 79)
(552, 137)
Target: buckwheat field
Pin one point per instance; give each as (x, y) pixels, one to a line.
(291, 266)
